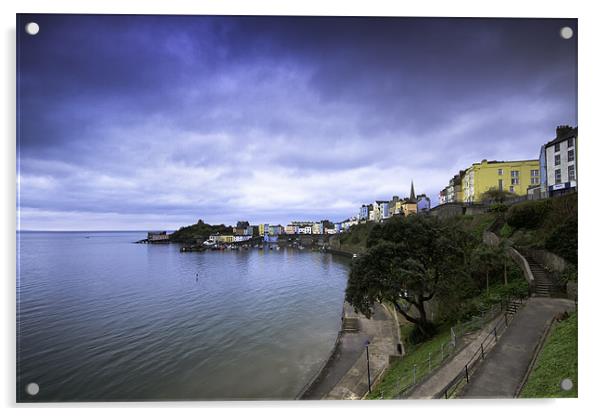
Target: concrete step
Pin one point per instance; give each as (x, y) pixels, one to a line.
(351, 325)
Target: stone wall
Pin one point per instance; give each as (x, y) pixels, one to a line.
(547, 259)
(447, 210)
(491, 239)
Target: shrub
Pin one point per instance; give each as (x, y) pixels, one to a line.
(569, 274)
(505, 231)
(498, 208)
(528, 215)
(563, 241)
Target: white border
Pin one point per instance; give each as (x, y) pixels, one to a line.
(590, 127)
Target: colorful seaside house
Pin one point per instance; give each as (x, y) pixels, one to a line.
(364, 213)
(453, 191)
(409, 205)
(225, 239)
(395, 206)
(317, 228)
(291, 229)
(512, 176)
(558, 163)
(381, 210)
(423, 203)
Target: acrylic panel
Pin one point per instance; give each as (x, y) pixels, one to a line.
(295, 208)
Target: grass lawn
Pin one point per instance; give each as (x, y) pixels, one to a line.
(400, 373)
(557, 360)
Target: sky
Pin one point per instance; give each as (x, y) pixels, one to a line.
(155, 122)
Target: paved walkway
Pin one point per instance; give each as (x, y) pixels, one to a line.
(345, 375)
(438, 380)
(503, 370)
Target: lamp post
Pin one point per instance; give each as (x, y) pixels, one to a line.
(368, 362)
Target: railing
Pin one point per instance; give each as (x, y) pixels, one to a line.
(421, 370)
(463, 377)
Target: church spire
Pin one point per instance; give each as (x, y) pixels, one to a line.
(412, 194)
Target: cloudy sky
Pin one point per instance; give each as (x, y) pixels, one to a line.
(146, 122)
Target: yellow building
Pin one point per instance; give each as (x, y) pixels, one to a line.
(409, 207)
(514, 177)
(263, 228)
(226, 238)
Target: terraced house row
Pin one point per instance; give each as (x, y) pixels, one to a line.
(553, 173)
(380, 211)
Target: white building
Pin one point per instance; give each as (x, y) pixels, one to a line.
(558, 173)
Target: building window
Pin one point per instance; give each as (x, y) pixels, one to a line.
(512, 189)
(557, 147)
(571, 142)
(534, 177)
(514, 177)
(557, 176)
(571, 172)
(500, 172)
(500, 184)
(556, 160)
(571, 155)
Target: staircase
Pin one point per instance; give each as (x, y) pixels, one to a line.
(543, 285)
(513, 306)
(351, 324)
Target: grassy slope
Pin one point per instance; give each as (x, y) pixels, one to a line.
(400, 372)
(355, 240)
(556, 361)
(557, 224)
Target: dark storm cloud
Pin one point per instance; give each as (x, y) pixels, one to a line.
(134, 119)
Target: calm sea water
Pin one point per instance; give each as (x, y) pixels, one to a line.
(100, 318)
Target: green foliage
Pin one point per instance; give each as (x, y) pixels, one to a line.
(569, 274)
(354, 241)
(506, 231)
(556, 361)
(410, 259)
(499, 293)
(563, 240)
(496, 195)
(400, 372)
(473, 224)
(529, 215)
(550, 224)
(485, 261)
(498, 208)
(200, 230)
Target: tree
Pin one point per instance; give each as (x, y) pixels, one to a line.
(407, 263)
(503, 247)
(486, 259)
(496, 195)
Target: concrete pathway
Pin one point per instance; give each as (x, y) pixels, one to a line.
(345, 375)
(503, 370)
(438, 380)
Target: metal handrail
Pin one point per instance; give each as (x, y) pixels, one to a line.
(479, 355)
(421, 370)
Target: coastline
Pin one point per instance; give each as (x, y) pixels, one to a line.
(344, 374)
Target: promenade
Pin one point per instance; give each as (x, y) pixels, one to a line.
(345, 375)
(505, 367)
